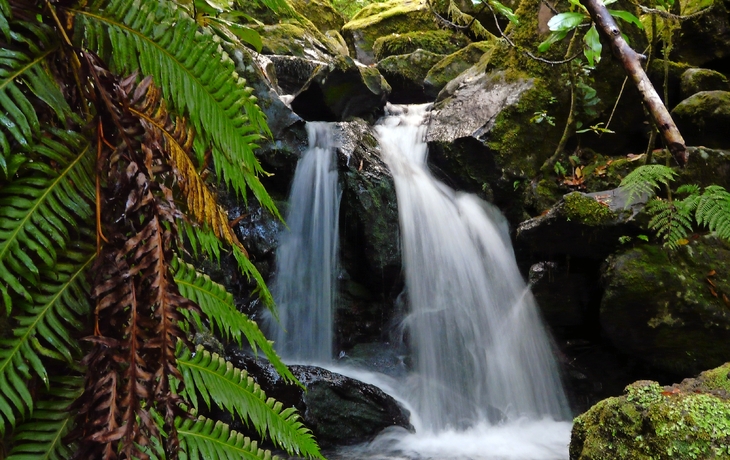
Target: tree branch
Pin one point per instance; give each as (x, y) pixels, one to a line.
(632, 65)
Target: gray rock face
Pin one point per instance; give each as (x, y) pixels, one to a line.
(339, 410)
(670, 309)
(703, 119)
(469, 104)
(405, 74)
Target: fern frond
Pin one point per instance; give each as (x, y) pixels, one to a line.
(42, 436)
(672, 221)
(5, 16)
(204, 241)
(44, 329)
(218, 306)
(195, 75)
(22, 65)
(204, 438)
(644, 180)
(176, 139)
(232, 389)
(38, 212)
(713, 210)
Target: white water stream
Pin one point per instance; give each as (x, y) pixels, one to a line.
(305, 282)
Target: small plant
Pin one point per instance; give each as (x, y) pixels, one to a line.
(671, 218)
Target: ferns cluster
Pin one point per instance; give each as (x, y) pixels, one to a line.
(674, 218)
(87, 155)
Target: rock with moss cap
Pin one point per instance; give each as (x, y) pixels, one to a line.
(703, 119)
(381, 19)
(405, 74)
(452, 65)
(434, 41)
(690, 420)
(584, 225)
(697, 80)
(321, 12)
(669, 308)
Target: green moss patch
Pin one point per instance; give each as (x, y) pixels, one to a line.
(434, 41)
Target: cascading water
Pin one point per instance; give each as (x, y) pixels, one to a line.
(304, 286)
(480, 351)
(477, 338)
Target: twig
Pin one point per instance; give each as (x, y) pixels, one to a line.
(668, 15)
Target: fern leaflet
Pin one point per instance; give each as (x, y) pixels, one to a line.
(218, 306)
(713, 210)
(42, 436)
(216, 379)
(672, 221)
(203, 438)
(644, 180)
(44, 329)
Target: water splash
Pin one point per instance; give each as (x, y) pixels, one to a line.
(477, 339)
(305, 282)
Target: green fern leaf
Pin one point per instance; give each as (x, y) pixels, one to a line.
(5, 17)
(38, 211)
(195, 75)
(218, 306)
(644, 180)
(713, 210)
(42, 436)
(672, 221)
(204, 241)
(22, 62)
(44, 329)
(203, 438)
(216, 379)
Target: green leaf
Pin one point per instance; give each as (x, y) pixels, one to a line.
(505, 11)
(626, 16)
(218, 381)
(593, 47)
(552, 38)
(566, 21)
(232, 31)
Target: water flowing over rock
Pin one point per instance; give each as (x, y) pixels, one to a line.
(305, 283)
(474, 329)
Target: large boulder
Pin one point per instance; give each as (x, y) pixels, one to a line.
(321, 12)
(703, 119)
(380, 19)
(684, 421)
(696, 80)
(339, 410)
(704, 40)
(405, 74)
(670, 309)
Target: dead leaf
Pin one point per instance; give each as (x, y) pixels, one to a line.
(600, 171)
(632, 157)
(711, 283)
(673, 391)
(712, 273)
(682, 241)
(712, 291)
(726, 300)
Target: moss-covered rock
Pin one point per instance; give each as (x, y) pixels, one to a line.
(703, 119)
(291, 39)
(321, 12)
(674, 71)
(668, 308)
(381, 19)
(651, 422)
(452, 65)
(434, 41)
(405, 74)
(697, 80)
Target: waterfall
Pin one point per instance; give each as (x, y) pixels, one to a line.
(305, 282)
(477, 339)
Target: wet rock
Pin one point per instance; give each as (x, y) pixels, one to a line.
(564, 296)
(377, 357)
(669, 308)
(433, 41)
(585, 225)
(697, 80)
(703, 119)
(405, 74)
(452, 65)
(684, 421)
(380, 19)
(339, 410)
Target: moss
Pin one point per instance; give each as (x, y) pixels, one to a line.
(434, 41)
(452, 65)
(650, 422)
(717, 379)
(321, 12)
(408, 70)
(586, 210)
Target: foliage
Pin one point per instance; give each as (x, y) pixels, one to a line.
(83, 147)
(673, 219)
